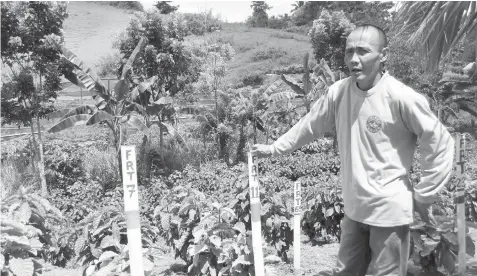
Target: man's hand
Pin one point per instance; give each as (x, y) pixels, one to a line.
(425, 211)
(261, 151)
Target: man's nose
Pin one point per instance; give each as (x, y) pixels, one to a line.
(354, 59)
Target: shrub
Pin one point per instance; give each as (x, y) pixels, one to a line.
(328, 37)
(25, 231)
(253, 79)
(63, 164)
(268, 53)
(103, 236)
(107, 66)
(127, 5)
(196, 23)
(279, 22)
(100, 165)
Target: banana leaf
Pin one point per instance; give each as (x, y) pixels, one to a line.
(58, 114)
(121, 89)
(137, 123)
(132, 58)
(307, 85)
(142, 87)
(85, 109)
(70, 122)
(84, 75)
(274, 86)
(137, 108)
(468, 106)
(287, 95)
(327, 73)
(99, 117)
(293, 84)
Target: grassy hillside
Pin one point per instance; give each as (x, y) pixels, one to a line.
(90, 28)
(258, 50)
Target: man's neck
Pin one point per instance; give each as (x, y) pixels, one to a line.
(369, 85)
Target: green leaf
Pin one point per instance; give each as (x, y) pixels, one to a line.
(21, 267)
(287, 95)
(107, 255)
(108, 241)
(137, 123)
(121, 89)
(23, 214)
(448, 260)
(80, 242)
(164, 101)
(293, 84)
(36, 244)
(239, 226)
(429, 246)
(84, 76)
(274, 86)
(106, 270)
(99, 117)
(97, 220)
(215, 240)
(132, 58)
(70, 122)
(115, 232)
(85, 109)
(451, 238)
(102, 228)
(142, 87)
(470, 246)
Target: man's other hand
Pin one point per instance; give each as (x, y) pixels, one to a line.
(425, 211)
(261, 151)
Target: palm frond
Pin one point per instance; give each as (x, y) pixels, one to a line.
(440, 25)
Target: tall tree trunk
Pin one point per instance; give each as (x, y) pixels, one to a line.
(146, 166)
(241, 145)
(32, 147)
(254, 131)
(41, 164)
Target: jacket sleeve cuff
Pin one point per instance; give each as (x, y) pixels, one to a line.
(273, 150)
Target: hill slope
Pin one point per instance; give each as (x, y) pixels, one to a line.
(90, 28)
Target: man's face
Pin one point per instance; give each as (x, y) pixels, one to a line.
(363, 56)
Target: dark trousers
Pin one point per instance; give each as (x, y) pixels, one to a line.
(371, 250)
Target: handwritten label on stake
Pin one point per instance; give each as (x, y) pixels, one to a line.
(131, 208)
(255, 210)
(296, 227)
(460, 200)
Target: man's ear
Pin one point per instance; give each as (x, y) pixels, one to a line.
(384, 54)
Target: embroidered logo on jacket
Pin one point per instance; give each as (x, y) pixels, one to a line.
(374, 124)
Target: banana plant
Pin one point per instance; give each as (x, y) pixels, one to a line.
(312, 87)
(247, 108)
(116, 108)
(457, 92)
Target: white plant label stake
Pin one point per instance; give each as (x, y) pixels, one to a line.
(296, 227)
(255, 210)
(131, 208)
(460, 201)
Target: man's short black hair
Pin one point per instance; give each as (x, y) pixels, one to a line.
(382, 33)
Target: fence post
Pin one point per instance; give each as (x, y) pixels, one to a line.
(460, 201)
(255, 216)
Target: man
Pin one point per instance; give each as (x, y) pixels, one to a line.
(378, 120)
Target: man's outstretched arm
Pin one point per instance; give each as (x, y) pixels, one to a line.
(436, 147)
(314, 124)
